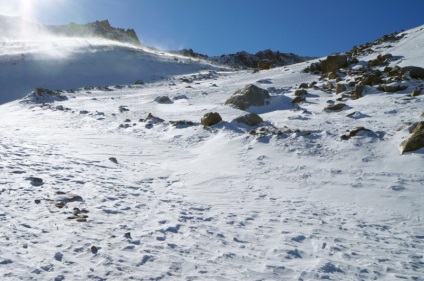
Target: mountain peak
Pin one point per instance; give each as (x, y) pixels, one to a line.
(101, 29)
(15, 28)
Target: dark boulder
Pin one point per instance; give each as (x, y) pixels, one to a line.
(416, 93)
(298, 100)
(336, 107)
(416, 140)
(334, 63)
(210, 119)
(414, 71)
(163, 99)
(301, 92)
(250, 95)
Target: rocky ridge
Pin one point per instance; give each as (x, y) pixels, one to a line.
(101, 29)
(265, 59)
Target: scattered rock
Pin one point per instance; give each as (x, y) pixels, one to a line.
(123, 108)
(113, 159)
(139, 82)
(293, 254)
(35, 181)
(340, 88)
(380, 60)
(299, 93)
(180, 97)
(60, 205)
(336, 107)
(298, 100)
(330, 268)
(250, 119)
(94, 249)
(303, 86)
(250, 95)
(163, 99)
(358, 92)
(414, 71)
(152, 119)
(181, 123)
(416, 92)
(299, 238)
(354, 132)
(332, 76)
(372, 79)
(329, 86)
(128, 235)
(210, 119)
(392, 87)
(58, 256)
(416, 140)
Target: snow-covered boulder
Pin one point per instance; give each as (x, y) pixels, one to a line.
(251, 119)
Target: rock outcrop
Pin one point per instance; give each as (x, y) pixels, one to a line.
(261, 60)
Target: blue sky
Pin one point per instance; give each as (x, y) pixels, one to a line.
(214, 27)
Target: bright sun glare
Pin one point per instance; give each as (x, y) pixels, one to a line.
(35, 10)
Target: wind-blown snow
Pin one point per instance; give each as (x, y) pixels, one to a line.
(164, 202)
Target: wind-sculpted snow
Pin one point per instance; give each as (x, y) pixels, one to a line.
(108, 184)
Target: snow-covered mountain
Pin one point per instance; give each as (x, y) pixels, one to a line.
(301, 177)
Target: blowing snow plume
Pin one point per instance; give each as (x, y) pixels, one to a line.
(22, 38)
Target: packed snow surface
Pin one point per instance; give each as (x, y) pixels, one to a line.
(93, 188)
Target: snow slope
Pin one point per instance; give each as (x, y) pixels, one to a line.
(162, 202)
(69, 63)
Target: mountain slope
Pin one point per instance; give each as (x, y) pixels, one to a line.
(102, 183)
